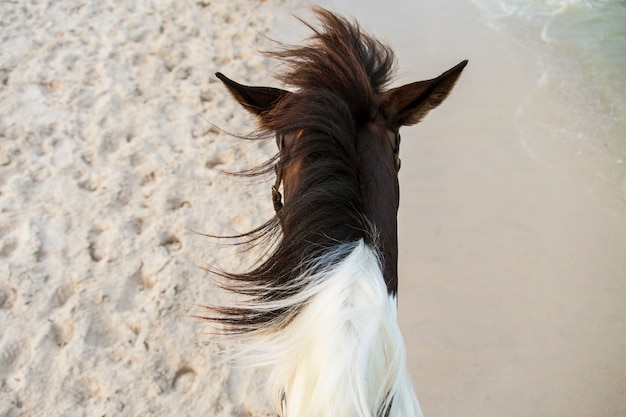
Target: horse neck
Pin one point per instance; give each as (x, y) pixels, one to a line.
(380, 195)
(315, 209)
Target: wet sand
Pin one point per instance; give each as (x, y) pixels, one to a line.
(512, 242)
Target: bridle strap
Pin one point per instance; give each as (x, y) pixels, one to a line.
(394, 141)
(277, 197)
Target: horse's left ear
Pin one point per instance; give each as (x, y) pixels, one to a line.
(409, 104)
(256, 100)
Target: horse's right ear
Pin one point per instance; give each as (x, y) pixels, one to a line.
(256, 100)
(407, 105)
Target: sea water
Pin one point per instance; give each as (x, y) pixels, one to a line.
(579, 49)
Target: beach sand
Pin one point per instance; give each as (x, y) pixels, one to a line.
(512, 273)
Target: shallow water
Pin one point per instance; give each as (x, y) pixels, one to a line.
(579, 48)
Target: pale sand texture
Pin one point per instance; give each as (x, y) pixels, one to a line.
(108, 161)
(512, 265)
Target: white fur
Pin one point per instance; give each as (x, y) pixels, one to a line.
(343, 353)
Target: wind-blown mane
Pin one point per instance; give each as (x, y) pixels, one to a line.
(337, 74)
(342, 59)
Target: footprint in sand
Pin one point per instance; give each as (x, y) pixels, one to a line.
(94, 250)
(135, 283)
(61, 295)
(8, 240)
(100, 332)
(61, 333)
(184, 379)
(7, 297)
(171, 243)
(214, 161)
(137, 224)
(14, 354)
(174, 204)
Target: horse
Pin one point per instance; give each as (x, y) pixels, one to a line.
(321, 309)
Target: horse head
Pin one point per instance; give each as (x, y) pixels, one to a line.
(376, 144)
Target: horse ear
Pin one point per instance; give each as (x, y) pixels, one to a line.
(407, 105)
(256, 100)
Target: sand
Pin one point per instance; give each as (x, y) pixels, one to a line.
(512, 268)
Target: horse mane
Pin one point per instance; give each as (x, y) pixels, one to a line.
(340, 58)
(337, 76)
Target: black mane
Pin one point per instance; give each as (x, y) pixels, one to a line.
(337, 76)
(342, 59)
